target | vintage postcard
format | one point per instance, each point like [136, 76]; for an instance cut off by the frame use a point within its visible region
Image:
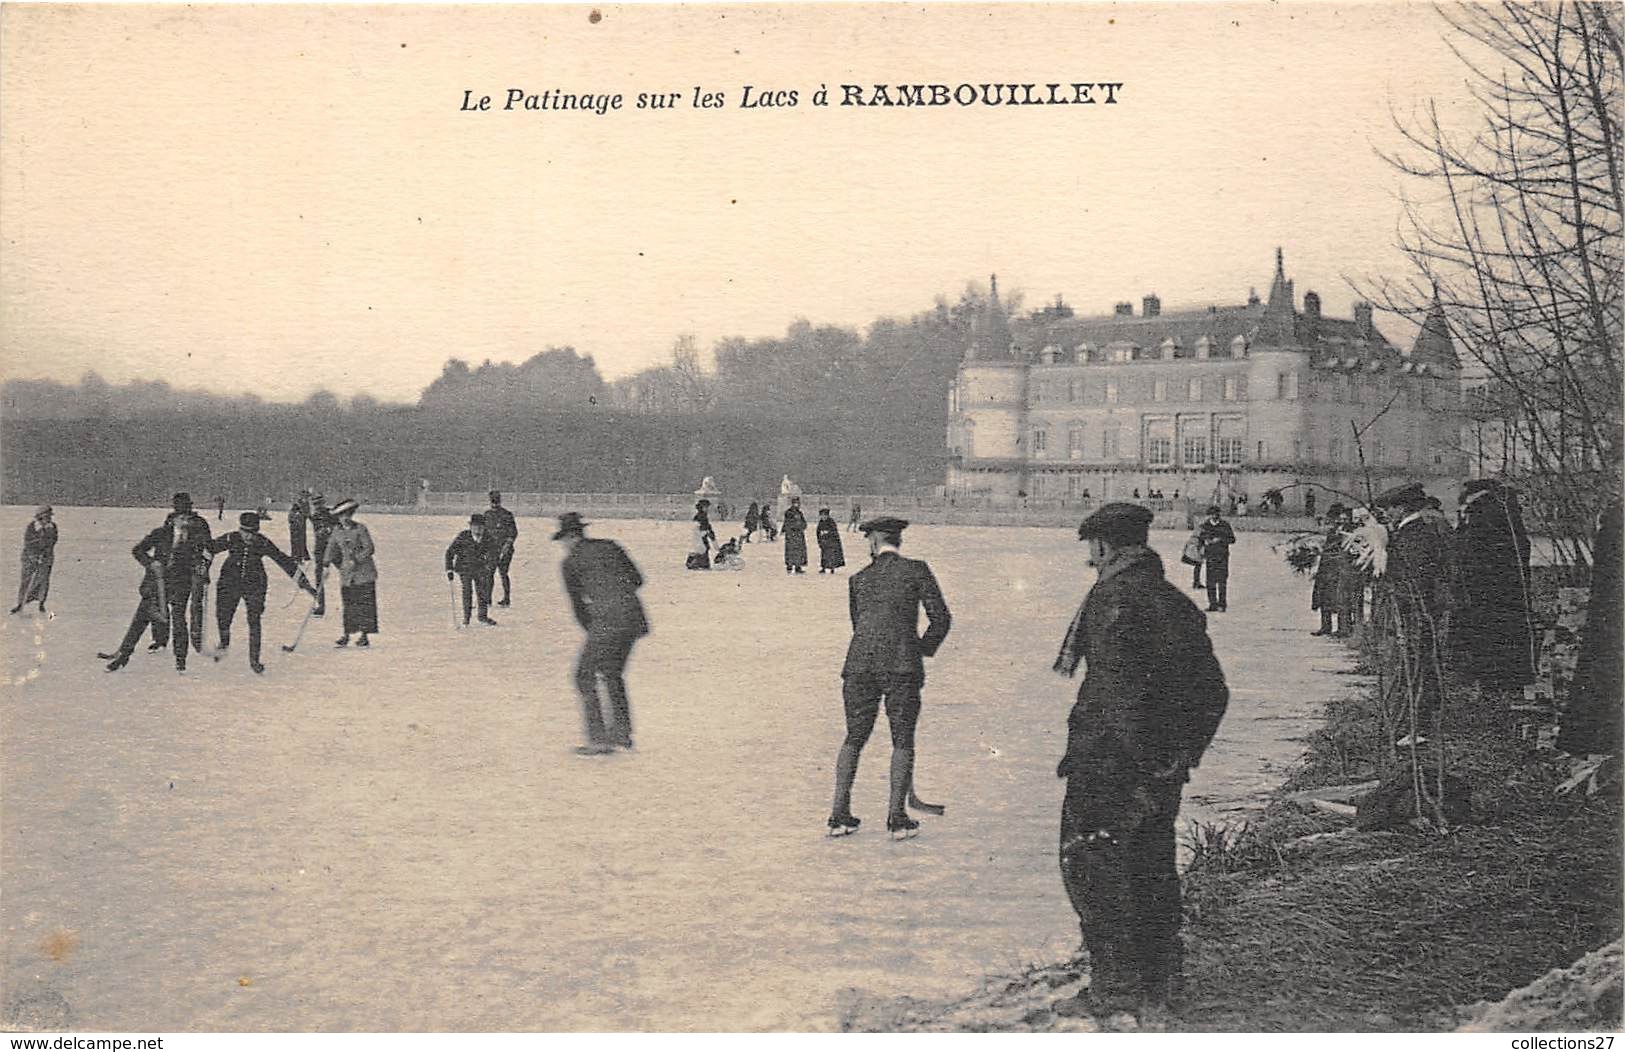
[1051, 517]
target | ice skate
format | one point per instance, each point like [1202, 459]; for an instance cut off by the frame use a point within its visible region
[487, 621]
[342, 641]
[153, 648]
[256, 668]
[118, 662]
[594, 749]
[363, 641]
[902, 827]
[843, 825]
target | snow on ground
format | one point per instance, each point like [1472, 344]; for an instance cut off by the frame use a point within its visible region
[401, 839]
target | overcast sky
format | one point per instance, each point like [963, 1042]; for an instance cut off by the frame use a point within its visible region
[282, 198]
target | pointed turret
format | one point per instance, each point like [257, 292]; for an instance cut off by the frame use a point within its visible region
[1433, 343]
[1278, 327]
[990, 332]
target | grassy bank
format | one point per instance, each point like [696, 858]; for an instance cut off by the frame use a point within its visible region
[1299, 921]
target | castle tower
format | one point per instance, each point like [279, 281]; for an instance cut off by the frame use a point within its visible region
[989, 403]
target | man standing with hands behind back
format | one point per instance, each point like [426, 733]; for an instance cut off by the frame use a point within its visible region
[1150, 702]
[885, 661]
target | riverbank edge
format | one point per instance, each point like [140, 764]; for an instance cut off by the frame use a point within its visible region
[1296, 921]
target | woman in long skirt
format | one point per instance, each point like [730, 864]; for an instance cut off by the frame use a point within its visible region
[39, 554]
[700, 538]
[350, 551]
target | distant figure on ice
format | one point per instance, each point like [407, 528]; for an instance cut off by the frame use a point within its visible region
[220, 508]
[473, 555]
[795, 538]
[242, 578]
[150, 609]
[700, 537]
[729, 557]
[885, 661]
[1151, 699]
[1215, 536]
[1494, 630]
[298, 513]
[855, 518]
[831, 556]
[753, 519]
[769, 531]
[1417, 578]
[322, 522]
[603, 584]
[504, 530]
[350, 551]
[39, 554]
[181, 549]
[1334, 572]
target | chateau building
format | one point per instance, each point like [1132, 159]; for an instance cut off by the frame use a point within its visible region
[1208, 403]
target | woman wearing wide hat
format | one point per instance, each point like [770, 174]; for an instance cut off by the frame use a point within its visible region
[350, 550]
[39, 554]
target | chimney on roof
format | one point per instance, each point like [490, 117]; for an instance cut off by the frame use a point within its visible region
[1362, 319]
[1311, 306]
[1150, 306]
[1252, 297]
[1124, 310]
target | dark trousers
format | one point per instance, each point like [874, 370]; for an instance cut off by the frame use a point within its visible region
[138, 624]
[502, 568]
[186, 614]
[604, 657]
[1218, 584]
[1125, 890]
[476, 584]
[226, 598]
[861, 695]
[1423, 658]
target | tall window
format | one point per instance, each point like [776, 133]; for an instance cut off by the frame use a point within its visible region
[1280, 386]
[1111, 391]
[1193, 442]
[1263, 453]
[1159, 443]
[1074, 485]
[1074, 390]
[1292, 387]
[1159, 390]
[1110, 441]
[1040, 441]
[1194, 390]
[1230, 389]
[1334, 450]
[1231, 432]
[1074, 443]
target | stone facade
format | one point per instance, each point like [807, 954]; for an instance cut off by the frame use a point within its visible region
[1211, 403]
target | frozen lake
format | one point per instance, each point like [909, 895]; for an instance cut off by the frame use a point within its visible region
[401, 839]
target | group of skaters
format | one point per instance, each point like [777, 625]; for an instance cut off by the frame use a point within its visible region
[759, 517]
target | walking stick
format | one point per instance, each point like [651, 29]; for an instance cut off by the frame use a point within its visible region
[456, 622]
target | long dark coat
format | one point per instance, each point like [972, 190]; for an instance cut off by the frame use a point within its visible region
[884, 601]
[831, 555]
[298, 540]
[795, 537]
[473, 557]
[1331, 575]
[1592, 719]
[1216, 539]
[1152, 693]
[39, 555]
[181, 547]
[1493, 630]
[603, 582]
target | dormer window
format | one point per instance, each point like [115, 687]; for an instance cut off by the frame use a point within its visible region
[1049, 354]
[1169, 349]
[1204, 347]
[1238, 347]
[1085, 352]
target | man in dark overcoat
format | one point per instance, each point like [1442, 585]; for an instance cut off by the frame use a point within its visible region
[504, 530]
[181, 548]
[603, 584]
[795, 538]
[322, 524]
[885, 663]
[242, 579]
[1215, 537]
[1333, 571]
[1493, 631]
[298, 539]
[1418, 581]
[1151, 699]
[473, 555]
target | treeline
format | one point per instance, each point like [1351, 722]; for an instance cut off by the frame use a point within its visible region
[837, 409]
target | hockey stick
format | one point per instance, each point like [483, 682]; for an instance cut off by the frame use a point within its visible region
[288, 648]
[920, 805]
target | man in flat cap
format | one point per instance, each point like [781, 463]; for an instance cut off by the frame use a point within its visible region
[1417, 583]
[180, 548]
[885, 662]
[1150, 702]
[603, 584]
[242, 579]
[504, 531]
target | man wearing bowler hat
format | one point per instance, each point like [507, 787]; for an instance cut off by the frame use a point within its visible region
[1418, 579]
[885, 661]
[603, 584]
[1150, 702]
[473, 556]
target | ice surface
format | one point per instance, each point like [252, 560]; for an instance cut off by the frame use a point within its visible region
[402, 839]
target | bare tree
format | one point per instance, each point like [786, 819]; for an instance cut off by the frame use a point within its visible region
[695, 387]
[1514, 228]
